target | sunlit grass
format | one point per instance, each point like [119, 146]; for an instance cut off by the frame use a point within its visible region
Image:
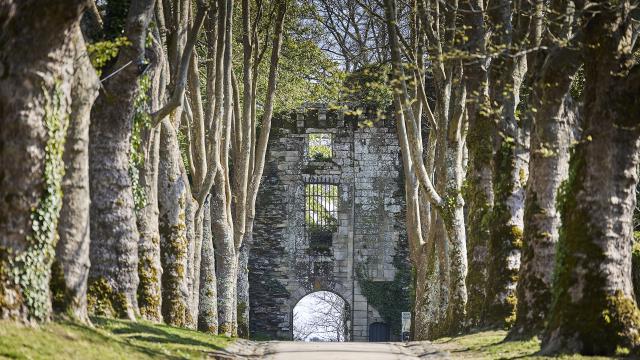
[107, 339]
[491, 345]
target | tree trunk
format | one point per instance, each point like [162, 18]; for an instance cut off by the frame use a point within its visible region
[594, 311]
[506, 236]
[113, 277]
[226, 272]
[149, 267]
[226, 263]
[550, 140]
[208, 304]
[174, 246]
[194, 244]
[243, 286]
[70, 270]
[509, 178]
[454, 220]
[479, 190]
[37, 51]
[506, 75]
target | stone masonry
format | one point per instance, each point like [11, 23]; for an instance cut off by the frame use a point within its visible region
[366, 167]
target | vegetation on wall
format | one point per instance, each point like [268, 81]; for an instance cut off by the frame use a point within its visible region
[390, 298]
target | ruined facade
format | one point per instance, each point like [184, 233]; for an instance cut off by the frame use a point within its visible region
[330, 216]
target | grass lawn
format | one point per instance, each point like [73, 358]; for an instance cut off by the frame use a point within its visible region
[107, 339]
[490, 345]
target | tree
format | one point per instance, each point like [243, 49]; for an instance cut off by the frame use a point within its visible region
[113, 277]
[594, 311]
[479, 190]
[444, 204]
[237, 189]
[38, 47]
[169, 216]
[70, 269]
[356, 35]
[554, 118]
[510, 35]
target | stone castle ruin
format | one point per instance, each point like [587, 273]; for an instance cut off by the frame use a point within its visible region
[330, 216]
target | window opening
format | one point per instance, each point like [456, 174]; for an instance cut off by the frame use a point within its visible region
[320, 147]
[321, 214]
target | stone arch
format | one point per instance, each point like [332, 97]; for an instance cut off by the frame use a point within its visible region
[338, 289]
[301, 292]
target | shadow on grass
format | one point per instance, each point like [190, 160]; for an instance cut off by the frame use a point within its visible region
[136, 334]
[488, 343]
[151, 333]
[95, 333]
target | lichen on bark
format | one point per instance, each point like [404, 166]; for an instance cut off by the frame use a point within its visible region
[29, 271]
[104, 300]
[585, 316]
[635, 271]
[505, 242]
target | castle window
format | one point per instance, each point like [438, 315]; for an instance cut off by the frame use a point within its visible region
[319, 147]
[321, 214]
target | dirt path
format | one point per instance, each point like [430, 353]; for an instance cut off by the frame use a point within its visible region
[288, 350]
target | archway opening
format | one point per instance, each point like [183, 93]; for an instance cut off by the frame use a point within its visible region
[321, 316]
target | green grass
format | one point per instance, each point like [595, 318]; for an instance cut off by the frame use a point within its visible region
[107, 339]
[490, 345]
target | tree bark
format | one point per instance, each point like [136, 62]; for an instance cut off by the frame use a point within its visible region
[243, 287]
[70, 270]
[194, 242]
[226, 260]
[506, 75]
[479, 190]
[149, 266]
[208, 305]
[594, 311]
[555, 115]
[37, 52]
[113, 278]
[174, 246]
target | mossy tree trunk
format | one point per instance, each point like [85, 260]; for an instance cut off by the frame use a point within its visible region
[479, 189]
[113, 277]
[594, 311]
[635, 271]
[37, 50]
[226, 260]
[506, 76]
[457, 254]
[554, 115]
[194, 241]
[440, 178]
[243, 287]
[149, 267]
[208, 305]
[70, 270]
[174, 247]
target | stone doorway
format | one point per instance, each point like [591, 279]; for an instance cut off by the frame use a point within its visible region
[321, 316]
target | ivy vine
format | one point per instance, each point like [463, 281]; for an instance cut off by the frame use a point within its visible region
[390, 298]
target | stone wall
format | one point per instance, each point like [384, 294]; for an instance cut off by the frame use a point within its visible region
[367, 170]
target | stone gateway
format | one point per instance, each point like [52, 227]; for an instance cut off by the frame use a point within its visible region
[331, 216]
